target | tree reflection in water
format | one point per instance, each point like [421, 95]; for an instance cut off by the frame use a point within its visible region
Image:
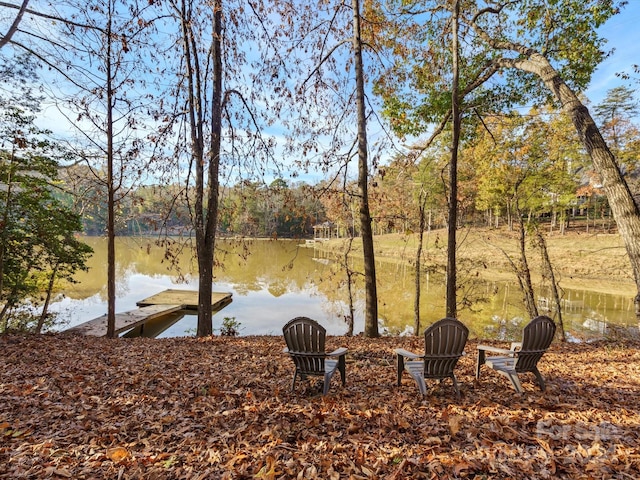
[281, 279]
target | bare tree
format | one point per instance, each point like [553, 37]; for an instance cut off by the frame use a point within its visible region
[96, 50]
[335, 109]
[217, 86]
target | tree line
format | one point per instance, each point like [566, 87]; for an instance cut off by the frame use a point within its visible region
[514, 165]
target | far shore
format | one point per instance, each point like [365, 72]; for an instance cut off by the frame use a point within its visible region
[584, 261]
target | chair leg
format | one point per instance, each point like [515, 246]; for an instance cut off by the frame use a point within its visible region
[513, 377]
[479, 362]
[422, 385]
[293, 384]
[536, 372]
[327, 382]
[455, 385]
[400, 367]
[342, 368]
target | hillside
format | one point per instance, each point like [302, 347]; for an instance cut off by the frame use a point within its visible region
[591, 261]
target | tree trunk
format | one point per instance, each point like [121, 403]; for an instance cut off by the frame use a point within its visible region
[548, 268]
[5, 222]
[524, 272]
[451, 300]
[371, 295]
[623, 207]
[416, 304]
[206, 234]
[111, 228]
[47, 300]
[351, 317]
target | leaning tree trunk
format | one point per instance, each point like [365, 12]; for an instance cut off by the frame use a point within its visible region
[624, 209]
[371, 295]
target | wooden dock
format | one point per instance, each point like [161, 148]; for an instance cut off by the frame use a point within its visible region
[188, 299]
[154, 307]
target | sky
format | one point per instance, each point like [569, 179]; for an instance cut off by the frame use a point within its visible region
[623, 34]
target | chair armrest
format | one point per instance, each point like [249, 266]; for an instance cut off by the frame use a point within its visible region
[406, 353]
[488, 348]
[338, 352]
[401, 354]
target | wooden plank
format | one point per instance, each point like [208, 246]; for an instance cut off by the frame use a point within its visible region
[159, 305]
[124, 321]
[154, 327]
[187, 298]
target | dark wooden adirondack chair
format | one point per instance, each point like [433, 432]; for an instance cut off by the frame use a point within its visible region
[444, 343]
[305, 345]
[523, 356]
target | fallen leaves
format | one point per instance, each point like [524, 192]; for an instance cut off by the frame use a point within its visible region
[221, 407]
[117, 454]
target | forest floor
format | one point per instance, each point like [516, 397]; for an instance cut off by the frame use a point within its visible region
[581, 259]
[221, 407]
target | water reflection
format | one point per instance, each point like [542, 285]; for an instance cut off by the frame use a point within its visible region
[273, 281]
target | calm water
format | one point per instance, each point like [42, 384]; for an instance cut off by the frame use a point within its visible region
[274, 281]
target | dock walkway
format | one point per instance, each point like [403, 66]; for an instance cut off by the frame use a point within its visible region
[151, 308]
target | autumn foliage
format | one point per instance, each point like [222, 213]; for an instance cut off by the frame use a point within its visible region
[221, 407]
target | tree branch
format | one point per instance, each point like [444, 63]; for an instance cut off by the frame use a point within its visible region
[14, 26]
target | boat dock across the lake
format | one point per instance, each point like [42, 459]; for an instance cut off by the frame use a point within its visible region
[151, 308]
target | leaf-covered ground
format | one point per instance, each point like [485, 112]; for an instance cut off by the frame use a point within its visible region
[221, 407]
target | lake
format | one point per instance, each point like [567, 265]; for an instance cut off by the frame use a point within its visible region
[273, 281]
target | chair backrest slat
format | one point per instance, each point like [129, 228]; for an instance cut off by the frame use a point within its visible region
[305, 339]
[537, 336]
[444, 343]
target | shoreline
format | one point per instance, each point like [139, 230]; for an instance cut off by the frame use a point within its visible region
[594, 262]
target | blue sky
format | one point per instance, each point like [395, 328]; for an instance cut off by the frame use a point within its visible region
[623, 34]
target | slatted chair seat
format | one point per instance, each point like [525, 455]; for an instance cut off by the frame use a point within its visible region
[305, 339]
[444, 345]
[523, 356]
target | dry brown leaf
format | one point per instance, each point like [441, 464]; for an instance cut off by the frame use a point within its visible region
[208, 408]
[58, 472]
[269, 470]
[117, 454]
[455, 423]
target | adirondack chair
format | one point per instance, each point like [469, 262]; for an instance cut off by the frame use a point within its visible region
[305, 340]
[522, 356]
[444, 343]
